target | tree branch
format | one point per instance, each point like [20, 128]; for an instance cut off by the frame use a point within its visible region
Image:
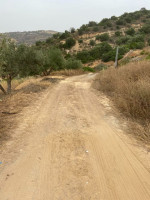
[2, 89]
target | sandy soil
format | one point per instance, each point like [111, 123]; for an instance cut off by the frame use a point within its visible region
[67, 147]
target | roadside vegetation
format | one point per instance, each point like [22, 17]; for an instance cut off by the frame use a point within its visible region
[129, 88]
[130, 31]
[23, 61]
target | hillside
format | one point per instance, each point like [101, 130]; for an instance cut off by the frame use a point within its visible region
[30, 37]
[97, 41]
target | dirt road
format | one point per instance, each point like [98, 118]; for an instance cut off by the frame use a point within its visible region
[66, 149]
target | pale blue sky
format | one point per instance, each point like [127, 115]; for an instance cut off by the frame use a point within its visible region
[60, 15]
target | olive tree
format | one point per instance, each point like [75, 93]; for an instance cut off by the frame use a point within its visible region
[8, 62]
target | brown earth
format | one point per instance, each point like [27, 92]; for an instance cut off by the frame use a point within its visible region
[67, 146]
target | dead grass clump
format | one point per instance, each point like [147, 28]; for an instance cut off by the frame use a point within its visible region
[129, 88]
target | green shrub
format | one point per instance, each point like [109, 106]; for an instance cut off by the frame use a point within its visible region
[104, 22]
[104, 37]
[117, 33]
[65, 35]
[80, 32]
[70, 42]
[72, 30]
[136, 45]
[128, 19]
[56, 35]
[148, 57]
[120, 22]
[122, 40]
[92, 23]
[88, 69]
[92, 42]
[99, 50]
[84, 56]
[145, 29]
[136, 42]
[109, 56]
[95, 29]
[130, 31]
[80, 41]
[114, 18]
[73, 64]
[100, 67]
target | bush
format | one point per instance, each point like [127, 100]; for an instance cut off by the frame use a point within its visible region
[117, 33]
[88, 69]
[95, 29]
[120, 22]
[100, 67]
[137, 38]
[130, 31]
[92, 23]
[114, 18]
[104, 22]
[84, 56]
[145, 29]
[109, 56]
[65, 35]
[122, 40]
[95, 53]
[128, 19]
[104, 37]
[98, 51]
[136, 45]
[73, 64]
[70, 42]
[80, 41]
[92, 42]
[136, 42]
[80, 32]
[56, 59]
[56, 35]
[72, 30]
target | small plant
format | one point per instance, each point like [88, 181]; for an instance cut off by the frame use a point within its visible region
[80, 41]
[70, 42]
[92, 42]
[88, 69]
[73, 64]
[104, 37]
[148, 57]
[130, 31]
[100, 67]
[117, 33]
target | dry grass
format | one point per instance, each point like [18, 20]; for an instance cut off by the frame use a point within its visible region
[26, 91]
[70, 72]
[129, 88]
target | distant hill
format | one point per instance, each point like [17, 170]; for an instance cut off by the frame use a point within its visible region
[97, 41]
[30, 37]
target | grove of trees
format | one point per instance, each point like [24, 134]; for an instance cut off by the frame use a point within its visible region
[23, 60]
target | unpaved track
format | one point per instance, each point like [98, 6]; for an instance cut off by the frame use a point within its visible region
[67, 150]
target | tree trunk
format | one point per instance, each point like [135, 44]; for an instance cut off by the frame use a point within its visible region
[2, 89]
[9, 84]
